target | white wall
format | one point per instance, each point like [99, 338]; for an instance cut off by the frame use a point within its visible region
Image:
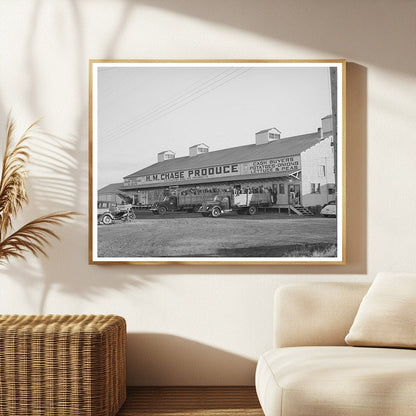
[204, 325]
[312, 161]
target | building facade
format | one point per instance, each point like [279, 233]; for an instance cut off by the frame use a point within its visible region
[296, 171]
[111, 193]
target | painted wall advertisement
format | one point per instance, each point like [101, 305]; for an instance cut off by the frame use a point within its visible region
[276, 165]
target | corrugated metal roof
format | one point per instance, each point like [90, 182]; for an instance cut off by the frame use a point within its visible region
[278, 148]
[112, 188]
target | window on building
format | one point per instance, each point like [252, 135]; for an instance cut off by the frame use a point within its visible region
[169, 156]
[281, 188]
[321, 171]
[202, 150]
[315, 188]
[273, 136]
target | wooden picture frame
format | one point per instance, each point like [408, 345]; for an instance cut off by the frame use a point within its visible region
[217, 162]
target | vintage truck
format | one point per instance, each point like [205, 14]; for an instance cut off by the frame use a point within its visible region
[180, 202]
[242, 203]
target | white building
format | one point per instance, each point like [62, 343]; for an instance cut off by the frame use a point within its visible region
[298, 171]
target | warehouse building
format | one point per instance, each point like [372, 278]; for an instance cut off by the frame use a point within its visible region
[296, 171]
[111, 193]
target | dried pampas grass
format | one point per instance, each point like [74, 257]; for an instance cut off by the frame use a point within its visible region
[35, 235]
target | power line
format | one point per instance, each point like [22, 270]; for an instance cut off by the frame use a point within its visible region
[173, 98]
[193, 99]
[179, 98]
[188, 98]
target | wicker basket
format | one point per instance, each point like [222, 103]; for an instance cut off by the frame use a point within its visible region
[54, 365]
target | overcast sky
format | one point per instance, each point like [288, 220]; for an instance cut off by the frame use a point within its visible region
[142, 111]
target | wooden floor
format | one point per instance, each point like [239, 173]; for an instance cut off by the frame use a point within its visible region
[187, 401]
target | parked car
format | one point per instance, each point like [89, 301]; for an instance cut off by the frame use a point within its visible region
[108, 212]
[104, 212]
[329, 209]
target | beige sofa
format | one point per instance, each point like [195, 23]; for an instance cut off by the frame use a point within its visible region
[312, 371]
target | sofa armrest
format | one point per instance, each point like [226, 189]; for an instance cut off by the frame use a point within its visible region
[315, 313]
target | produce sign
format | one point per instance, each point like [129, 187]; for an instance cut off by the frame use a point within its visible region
[282, 164]
[210, 172]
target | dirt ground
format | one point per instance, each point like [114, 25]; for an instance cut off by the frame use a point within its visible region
[191, 235]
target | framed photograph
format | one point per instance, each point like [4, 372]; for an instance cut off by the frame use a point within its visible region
[207, 162]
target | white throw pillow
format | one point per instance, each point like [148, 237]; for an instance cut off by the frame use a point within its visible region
[387, 314]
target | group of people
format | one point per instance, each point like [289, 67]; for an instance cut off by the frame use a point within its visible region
[238, 189]
[199, 191]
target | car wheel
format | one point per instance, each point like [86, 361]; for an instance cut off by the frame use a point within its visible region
[216, 212]
[107, 220]
[161, 210]
[131, 216]
[252, 210]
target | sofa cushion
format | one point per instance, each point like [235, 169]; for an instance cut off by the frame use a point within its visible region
[387, 314]
[342, 381]
[315, 314]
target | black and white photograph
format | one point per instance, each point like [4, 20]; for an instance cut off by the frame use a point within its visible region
[217, 162]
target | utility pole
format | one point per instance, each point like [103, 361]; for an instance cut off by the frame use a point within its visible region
[334, 102]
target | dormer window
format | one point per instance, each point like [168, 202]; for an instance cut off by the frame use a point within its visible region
[165, 155]
[198, 149]
[268, 135]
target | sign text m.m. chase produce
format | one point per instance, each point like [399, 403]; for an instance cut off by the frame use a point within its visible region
[283, 164]
[181, 175]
